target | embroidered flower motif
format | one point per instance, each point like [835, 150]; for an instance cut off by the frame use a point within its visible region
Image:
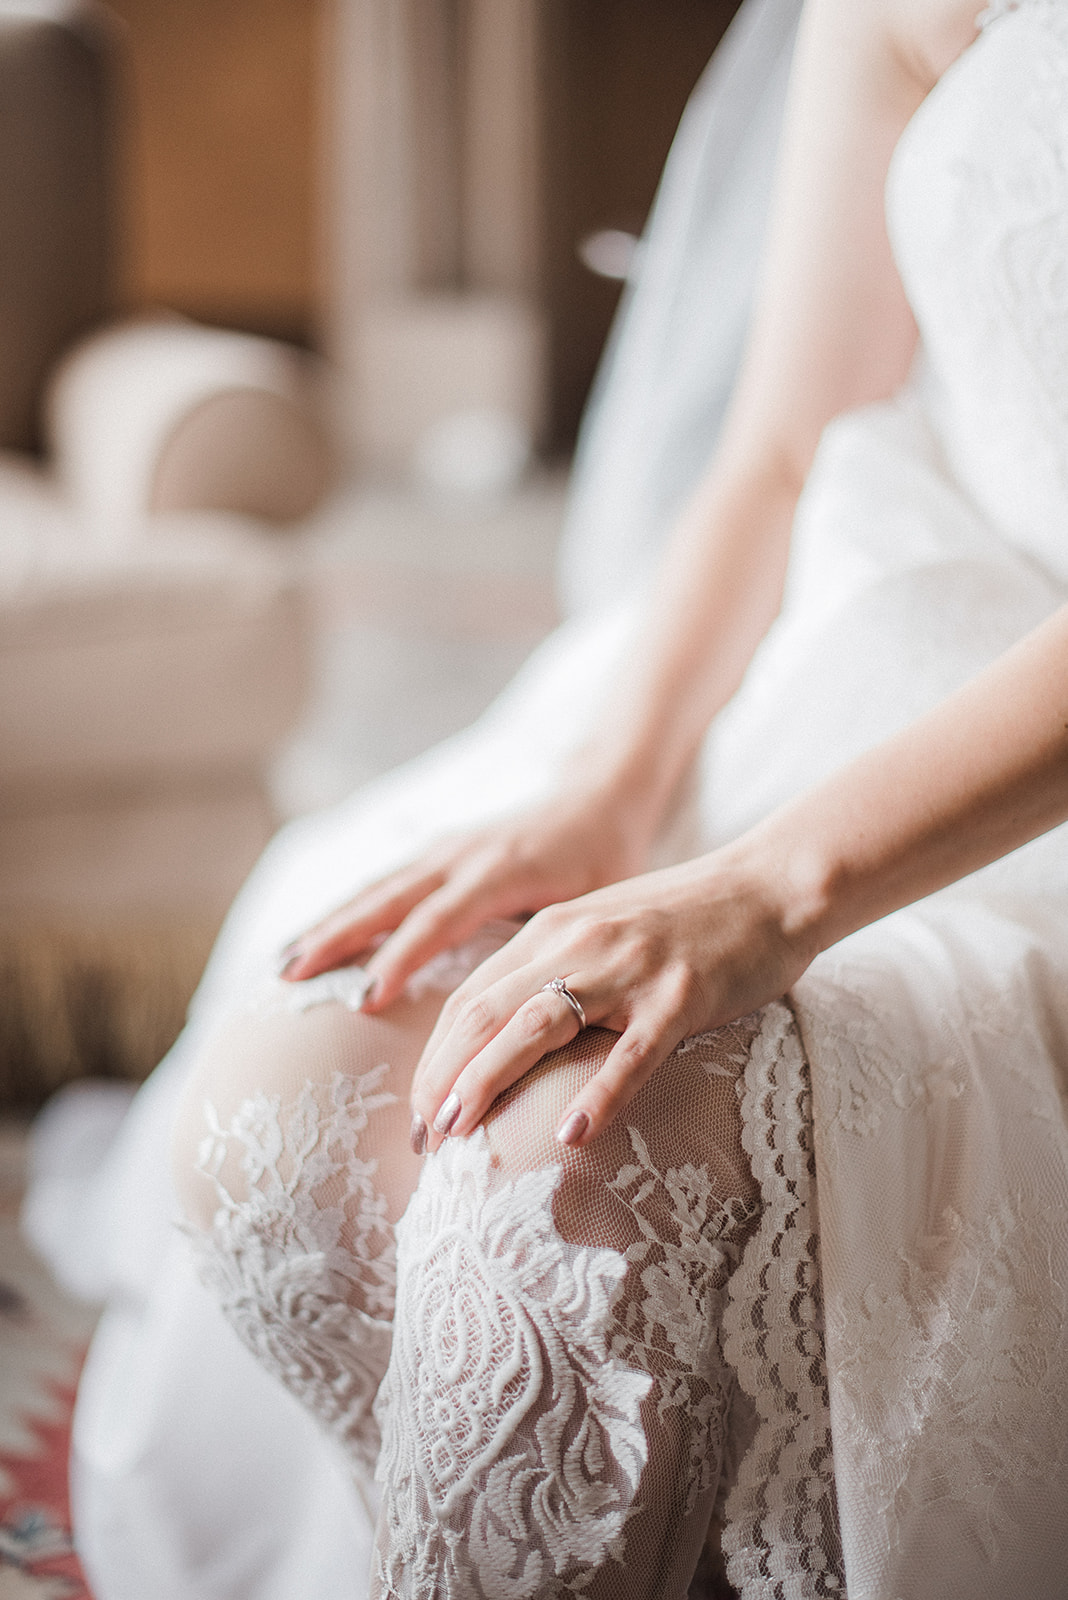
[307, 1282]
[512, 1437]
[966, 1343]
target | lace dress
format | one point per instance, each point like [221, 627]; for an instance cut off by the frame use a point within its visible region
[847, 1351]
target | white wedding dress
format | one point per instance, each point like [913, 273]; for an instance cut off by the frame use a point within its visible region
[868, 1343]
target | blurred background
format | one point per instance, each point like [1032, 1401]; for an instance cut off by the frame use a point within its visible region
[270, 147]
[300, 302]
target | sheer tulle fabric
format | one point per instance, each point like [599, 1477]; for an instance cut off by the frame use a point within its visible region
[521, 1348]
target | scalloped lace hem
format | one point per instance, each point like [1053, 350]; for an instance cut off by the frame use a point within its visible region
[781, 1537]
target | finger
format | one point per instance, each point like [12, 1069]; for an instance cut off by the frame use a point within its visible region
[439, 922]
[470, 1018]
[503, 965]
[631, 1062]
[453, 1102]
[348, 932]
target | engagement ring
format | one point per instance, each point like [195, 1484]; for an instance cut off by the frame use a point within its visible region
[558, 986]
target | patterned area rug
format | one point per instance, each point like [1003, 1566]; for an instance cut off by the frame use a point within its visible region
[43, 1337]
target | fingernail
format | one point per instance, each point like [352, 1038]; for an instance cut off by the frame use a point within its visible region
[284, 972]
[572, 1130]
[418, 1134]
[448, 1114]
[370, 993]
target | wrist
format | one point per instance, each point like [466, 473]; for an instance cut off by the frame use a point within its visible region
[800, 884]
[636, 776]
[626, 796]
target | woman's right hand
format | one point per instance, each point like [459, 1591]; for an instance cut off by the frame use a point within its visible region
[569, 846]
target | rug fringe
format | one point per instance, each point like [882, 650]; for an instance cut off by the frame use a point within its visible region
[106, 1000]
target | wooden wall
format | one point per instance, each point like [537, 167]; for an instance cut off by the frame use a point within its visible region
[221, 153]
[617, 74]
[219, 159]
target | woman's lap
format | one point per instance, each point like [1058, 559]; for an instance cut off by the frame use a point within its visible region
[938, 1040]
[276, 909]
[540, 1317]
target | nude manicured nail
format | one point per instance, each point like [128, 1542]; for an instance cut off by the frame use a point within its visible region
[448, 1114]
[285, 970]
[418, 1134]
[572, 1130]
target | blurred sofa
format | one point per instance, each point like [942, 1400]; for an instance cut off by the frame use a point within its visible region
[153, 638]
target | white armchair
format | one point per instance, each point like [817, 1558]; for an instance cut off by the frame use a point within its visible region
[153, 639]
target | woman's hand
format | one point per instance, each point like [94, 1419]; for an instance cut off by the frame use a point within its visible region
[655, 959]
[565, 848]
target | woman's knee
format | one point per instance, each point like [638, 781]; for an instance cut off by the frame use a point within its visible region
[562, 1304]
[687, 1115]
[277, 1084]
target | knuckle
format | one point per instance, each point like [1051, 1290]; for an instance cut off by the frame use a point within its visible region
[630, 1054]
[432, 1087]
[677, 987]
[422, 1100]
[602, 1101]
[596, 931]
[535, 1019]
[475, 1017]
[450, 1011]
[424, 920]
[645, 948]
[546, 923]
[480, 1086]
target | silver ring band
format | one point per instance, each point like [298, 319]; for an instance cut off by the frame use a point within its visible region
[558, 986]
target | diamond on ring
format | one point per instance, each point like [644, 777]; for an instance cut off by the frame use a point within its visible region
[558, 986]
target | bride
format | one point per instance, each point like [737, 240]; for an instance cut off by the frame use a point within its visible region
[663, 1149]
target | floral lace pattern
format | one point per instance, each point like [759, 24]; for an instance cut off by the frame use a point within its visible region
[498, 1321]
[522, 1398]
[976, 205]
[868, 1071]
[691, 1241]
[514, 1435]
[969, 1292]
[305, 1265]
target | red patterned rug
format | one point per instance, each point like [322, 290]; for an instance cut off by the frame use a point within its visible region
[43, 1335]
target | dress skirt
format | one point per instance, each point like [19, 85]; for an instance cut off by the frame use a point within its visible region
[908, 1274]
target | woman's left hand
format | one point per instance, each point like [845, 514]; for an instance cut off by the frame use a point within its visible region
[655, 958]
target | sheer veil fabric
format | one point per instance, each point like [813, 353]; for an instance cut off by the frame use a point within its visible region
[667, 374]
[816, 1278]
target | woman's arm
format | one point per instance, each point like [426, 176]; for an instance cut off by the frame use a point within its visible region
[832, 330]
[673, 953]
[981, 774]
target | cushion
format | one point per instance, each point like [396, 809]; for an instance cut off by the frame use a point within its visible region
[183, 653]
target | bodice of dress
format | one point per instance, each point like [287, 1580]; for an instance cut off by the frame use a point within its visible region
[977, 202]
